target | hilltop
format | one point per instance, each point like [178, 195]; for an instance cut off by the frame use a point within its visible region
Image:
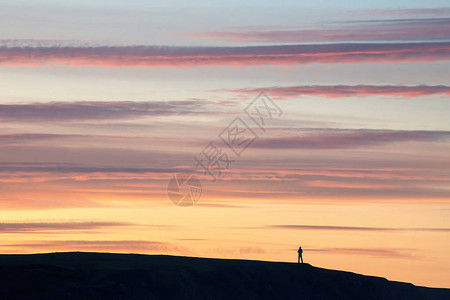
[81, 275]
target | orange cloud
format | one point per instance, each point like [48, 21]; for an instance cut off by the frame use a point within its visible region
[27, 227]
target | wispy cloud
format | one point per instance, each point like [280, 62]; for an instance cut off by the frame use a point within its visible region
[95, 110]
[302, 138]
[80, 168]
[425, 29]
[101, 245]
[152, 56]
[15, 137]
[355, 228]
[236, 251]
[340, 91]
[349, 138]
[430, 12]
[324, 172]
[388, 253]
[42, 172]
[56, 226]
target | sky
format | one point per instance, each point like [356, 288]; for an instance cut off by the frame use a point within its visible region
[328, 122]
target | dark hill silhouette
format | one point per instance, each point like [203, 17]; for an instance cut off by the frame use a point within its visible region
[80, 275]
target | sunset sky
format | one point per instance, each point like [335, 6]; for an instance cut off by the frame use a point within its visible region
[103, 102]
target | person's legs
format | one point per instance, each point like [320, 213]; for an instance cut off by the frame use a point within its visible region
[301, 258]
[298, 259]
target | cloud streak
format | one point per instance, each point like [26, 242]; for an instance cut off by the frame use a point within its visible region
[95, 110]
[354, 228]
[56, 226]
[102, 245]
[373, 30]
[152, 56]
[431, 12]
[80, 168]
[349, 138]
[42, 172]
[341, 91]
[390, 253]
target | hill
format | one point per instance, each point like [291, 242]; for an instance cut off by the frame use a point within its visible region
[81, 275]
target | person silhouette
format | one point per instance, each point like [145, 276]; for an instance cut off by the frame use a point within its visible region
[300, 252]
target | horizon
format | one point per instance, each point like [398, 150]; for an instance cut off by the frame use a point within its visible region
[237, 130]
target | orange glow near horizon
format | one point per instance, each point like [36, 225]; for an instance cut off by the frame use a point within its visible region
[389, 241]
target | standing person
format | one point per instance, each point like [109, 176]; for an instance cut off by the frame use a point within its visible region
[300, 252]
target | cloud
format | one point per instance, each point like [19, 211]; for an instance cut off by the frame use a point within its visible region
[153, 56]
[340, 91]
[353, 228]
[56, 226]
[43, 172]
[95, 110]
[80, 168]
[236, 251]
[408, 12]
[102, 245]
[8, 138]
[371, 30]
[220, 205]
[326, 172]
[349, 138]
[389, 253]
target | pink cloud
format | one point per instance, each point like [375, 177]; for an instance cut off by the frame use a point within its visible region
[147, 56]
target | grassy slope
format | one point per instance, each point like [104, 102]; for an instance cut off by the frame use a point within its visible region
[78, 275]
